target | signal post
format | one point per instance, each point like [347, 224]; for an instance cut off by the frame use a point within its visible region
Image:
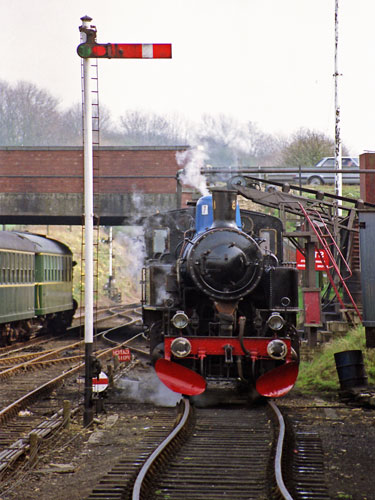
[89, 48]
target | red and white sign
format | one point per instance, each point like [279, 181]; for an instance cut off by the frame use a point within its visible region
[319, 263]
[101, 383]
[123, 354]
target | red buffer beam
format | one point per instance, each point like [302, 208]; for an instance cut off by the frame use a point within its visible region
[125, 50]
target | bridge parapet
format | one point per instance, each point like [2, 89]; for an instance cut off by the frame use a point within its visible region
[45, 185]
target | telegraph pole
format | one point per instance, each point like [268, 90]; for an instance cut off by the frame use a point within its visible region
[338, 148]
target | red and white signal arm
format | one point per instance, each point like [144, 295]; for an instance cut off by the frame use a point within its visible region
[101, 383]
[123, 354]
[321, 260]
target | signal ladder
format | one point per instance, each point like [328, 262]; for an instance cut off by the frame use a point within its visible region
[328, 243]
[96, 177]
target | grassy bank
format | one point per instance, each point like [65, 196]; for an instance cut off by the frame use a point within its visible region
[321, 375]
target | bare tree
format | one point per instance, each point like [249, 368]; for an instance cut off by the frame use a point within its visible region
[71, 126]
[29, 115]
[228, 142]
[307, 147]
[221, 137]
[151, 129]
[259, 148]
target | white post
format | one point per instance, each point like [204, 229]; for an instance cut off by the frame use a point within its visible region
[338, 149]
[110, 253]
[89, 227]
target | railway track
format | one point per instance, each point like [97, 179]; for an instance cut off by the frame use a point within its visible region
[28, 382]
[210, 454]
[227, 455]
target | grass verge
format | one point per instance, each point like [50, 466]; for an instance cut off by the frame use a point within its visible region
[321, 375]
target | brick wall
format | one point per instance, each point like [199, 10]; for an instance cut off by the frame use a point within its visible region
[367, 181]
[60, 170]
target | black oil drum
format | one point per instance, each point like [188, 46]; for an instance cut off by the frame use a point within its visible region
[350, 369]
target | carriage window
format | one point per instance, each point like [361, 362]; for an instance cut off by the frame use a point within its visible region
[59, 271]
[12, 268]
[2, 269]
[160, 241]
[32, 268]
[7, 267]
[17, 266]
[270, 240]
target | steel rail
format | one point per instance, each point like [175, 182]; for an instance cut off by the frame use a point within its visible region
[18, 448]
[26, 398]
[279, 451]
[151, 460]
[35, 358]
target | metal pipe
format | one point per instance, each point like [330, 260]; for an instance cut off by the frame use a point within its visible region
[275, 170]
[242, 322]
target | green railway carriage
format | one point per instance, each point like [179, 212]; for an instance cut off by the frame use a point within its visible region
[35, 285]
[53, 275]
[16, 278]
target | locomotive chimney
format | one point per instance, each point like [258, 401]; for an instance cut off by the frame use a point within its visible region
[224, 204]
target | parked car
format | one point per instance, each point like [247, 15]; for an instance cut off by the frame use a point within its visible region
[317, 177]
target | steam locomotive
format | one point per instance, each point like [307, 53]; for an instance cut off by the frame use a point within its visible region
[219, 303]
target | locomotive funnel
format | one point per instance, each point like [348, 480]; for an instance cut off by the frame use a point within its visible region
[224, 205]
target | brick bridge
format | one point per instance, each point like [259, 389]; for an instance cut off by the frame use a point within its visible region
[44, 185]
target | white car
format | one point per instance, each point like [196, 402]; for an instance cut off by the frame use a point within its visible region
[315, 176]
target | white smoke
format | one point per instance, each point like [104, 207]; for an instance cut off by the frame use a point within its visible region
[147, 388]
[192, 161]
[130, 249]
[162, 295]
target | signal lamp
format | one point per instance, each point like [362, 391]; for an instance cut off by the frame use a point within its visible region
[84, 50]
[181, 347]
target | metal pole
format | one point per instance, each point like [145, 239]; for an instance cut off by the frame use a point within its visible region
[89, 230]
[110, 253]
[338, 149]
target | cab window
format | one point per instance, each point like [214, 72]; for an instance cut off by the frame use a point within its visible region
[160, 240]
[269, 243]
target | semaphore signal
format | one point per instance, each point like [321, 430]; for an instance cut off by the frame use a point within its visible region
[88, 48]
[125, 50]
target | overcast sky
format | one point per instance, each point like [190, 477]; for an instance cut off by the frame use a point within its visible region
[266, 61]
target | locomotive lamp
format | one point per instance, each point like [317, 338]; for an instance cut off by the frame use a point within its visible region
[275, 321]
[181, 347]
[180, 320]
[277, 349]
